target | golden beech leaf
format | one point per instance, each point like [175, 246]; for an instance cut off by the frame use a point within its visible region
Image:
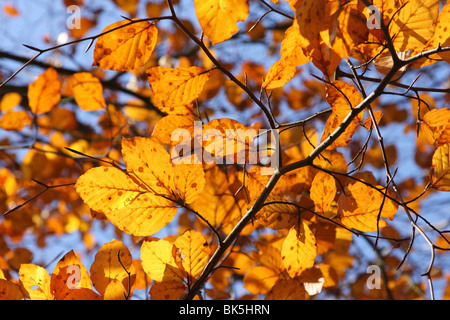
[435, 126]
[150, 164]
[124, 202]
[218, 18]
[172, 88]
[174, 129]
[194, 251]
[260, 279]
[291, 57]
[189, 181]
[287, 289]
[299, 249]
[229, 140]
[414, 24]
[45, 92]
[440, 168]
[9, 101]
[36, 282]
[360, 205]
[126, 46]
[69, 275]
[160, 261]
[115, 290]
[167, 290]
[113, 262]
[441, 35]
[10, 291]
[342, 97]
[88, 91]
[323, 190]
[129, 6]
[277, 214]
[15, 120]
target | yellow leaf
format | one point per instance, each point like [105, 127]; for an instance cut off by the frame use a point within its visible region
[107, 268]
[126, 47]
[150, 164]
[127, 205]
[172, 88]
[15, 120]
[323, 190]
[414, 24]
[9, 101]
[260, 279]
[194, 252]
[435, 126]
[342, 97]
[129, 6]
[158, 261]
[36, 281]
[291, 57]
[278, 215]
[189, 180]
[45, 92]
[440, 168]
[172, 128]
[441, 35]
[228, 139]
[88, 91]
[218, 18]
[299, 249]
[115, 290]
[360, 205]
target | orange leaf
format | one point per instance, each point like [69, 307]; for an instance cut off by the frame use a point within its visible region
[127, 46]
[342, 97]
[9, 101]
[323, 190]
[107, 268]
[189, 180]
[172, 88]
[291, 57]
[69, 275]
[10, 291]
[299, 249]
[287, 289]
[167, 290]
[435, 126]
[440, 168]
[360, 206]
[15, 120]
[277, 215]
[218, 18]
[88, 91]
[45, 92]
[260, 279]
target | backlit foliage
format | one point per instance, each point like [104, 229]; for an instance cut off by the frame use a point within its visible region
[248, 149]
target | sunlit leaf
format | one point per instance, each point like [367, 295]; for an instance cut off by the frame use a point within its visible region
[323, 190]
[45, 92]
[88, 91]
[15, 120]
[125, 46]
[36, 281]
[440, 168]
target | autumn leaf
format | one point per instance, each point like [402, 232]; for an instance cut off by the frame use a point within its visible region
[291, 57]
[299, 249]
[218, 18]
[287, 289]
[172, 128]
[189, 180]
[88, 91]
[159, 260]
[36, 282]
[129, 204]
[414, 24]
[167, 290]
[361, 205]
[194, 251]
[260, 279]
[177, 87]
[441, 35]
[113, 263]
[125, 46]
[15, 120]
[342, 97]
[277, 214]
[10, 291]
[323, 190]
[435, 126]
[45, 92]
[440, 168]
